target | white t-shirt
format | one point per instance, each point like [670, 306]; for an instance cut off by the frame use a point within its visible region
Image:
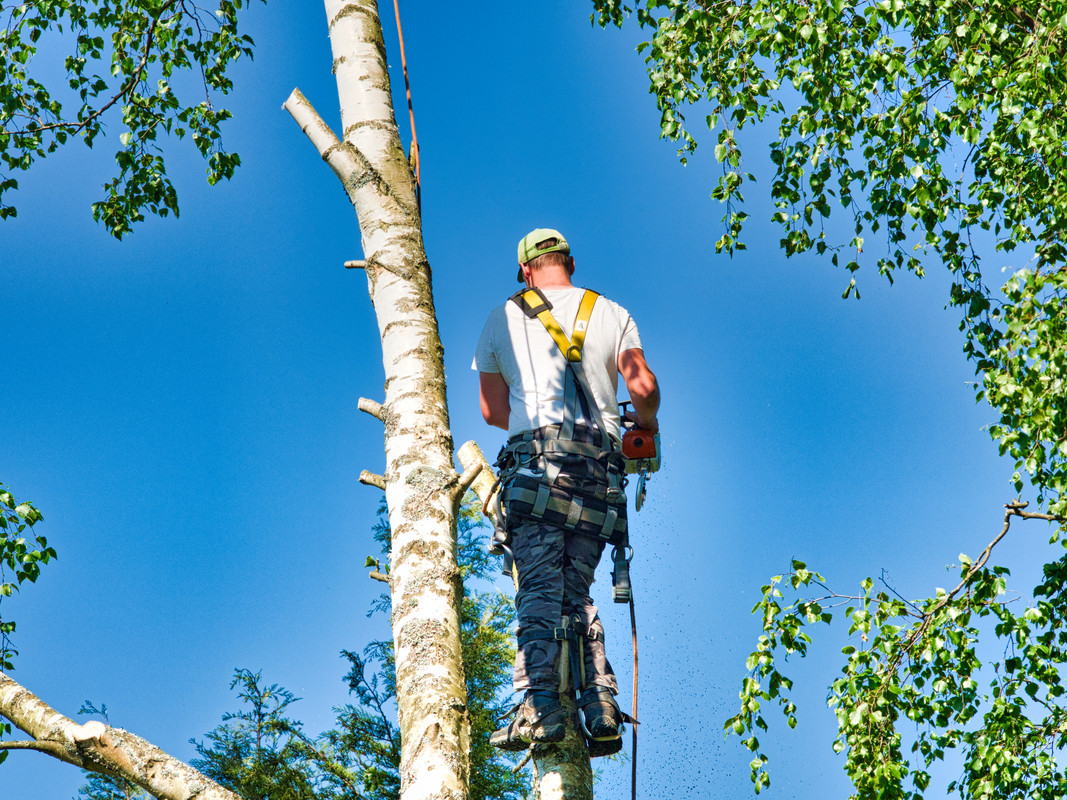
[520, 349]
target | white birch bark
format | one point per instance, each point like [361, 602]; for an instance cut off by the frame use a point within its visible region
[99, 748]
[421, 484]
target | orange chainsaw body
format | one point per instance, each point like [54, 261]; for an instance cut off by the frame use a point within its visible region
[641, 450]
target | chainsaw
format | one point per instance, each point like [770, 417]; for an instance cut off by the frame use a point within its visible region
[642, 452]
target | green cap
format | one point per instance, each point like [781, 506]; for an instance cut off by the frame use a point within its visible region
[529, 245]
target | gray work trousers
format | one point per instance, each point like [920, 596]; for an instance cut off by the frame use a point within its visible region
[555, 571]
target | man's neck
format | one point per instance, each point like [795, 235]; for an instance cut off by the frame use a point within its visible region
[551, 278]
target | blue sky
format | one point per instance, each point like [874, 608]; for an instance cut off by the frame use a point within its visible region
[182, 406]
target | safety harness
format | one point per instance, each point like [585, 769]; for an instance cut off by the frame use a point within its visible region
[573, 474]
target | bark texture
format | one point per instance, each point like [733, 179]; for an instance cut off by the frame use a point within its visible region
[562, 771]
[99, 748]
[420, 480]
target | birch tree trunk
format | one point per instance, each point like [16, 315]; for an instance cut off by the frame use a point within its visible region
[422, 487]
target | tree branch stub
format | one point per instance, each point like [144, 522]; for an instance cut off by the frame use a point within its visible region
[484, 481]
[372, 479]
[463, 482]
[375, 409]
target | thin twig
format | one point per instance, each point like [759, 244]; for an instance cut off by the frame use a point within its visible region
[525, 759]
[135, 78]
[1013, 509]
[30, 744]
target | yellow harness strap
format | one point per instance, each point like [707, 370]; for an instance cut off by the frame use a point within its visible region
[571, 348]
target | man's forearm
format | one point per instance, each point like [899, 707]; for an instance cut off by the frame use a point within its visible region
[643, 388]
[646, 409]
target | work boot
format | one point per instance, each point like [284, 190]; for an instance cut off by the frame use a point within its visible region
[543, 711]
[515, 735]
[603, 720]
[539, 718]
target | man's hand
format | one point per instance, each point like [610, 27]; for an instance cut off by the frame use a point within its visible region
[651, 427]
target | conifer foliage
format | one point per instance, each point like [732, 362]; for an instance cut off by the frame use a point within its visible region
[262, 753]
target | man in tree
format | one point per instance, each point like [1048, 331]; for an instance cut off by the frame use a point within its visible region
[562, 477]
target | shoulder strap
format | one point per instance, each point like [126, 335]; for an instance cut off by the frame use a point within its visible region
[532, 301]
[535, 305]
[576, 386]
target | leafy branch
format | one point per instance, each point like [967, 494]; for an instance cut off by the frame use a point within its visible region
[20, 560]
[918, 661]
[149, 39]
[933, 128]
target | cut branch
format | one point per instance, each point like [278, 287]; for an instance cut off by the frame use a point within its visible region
[372, 479]
[339, 156]
[376, 410]
[99, 748]
[463, 483]
[483, 481]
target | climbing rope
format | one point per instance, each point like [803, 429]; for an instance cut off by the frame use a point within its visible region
[414, 157]
[633, 713]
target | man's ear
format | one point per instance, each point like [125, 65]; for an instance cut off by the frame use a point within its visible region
[570, 266]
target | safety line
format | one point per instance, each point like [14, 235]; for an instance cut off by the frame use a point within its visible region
[411, 111]
[633, 727]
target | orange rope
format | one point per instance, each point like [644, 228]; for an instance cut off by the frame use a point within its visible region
[411, 111]
[633, 728]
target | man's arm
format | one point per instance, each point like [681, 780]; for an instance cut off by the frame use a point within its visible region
[643, 388]
[495, 397]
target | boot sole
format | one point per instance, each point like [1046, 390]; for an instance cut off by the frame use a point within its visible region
[511, 744]
[605, 747]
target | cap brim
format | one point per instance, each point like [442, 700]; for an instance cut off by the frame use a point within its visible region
[519, 276]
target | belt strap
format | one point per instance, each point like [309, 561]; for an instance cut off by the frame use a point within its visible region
[608, 522]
